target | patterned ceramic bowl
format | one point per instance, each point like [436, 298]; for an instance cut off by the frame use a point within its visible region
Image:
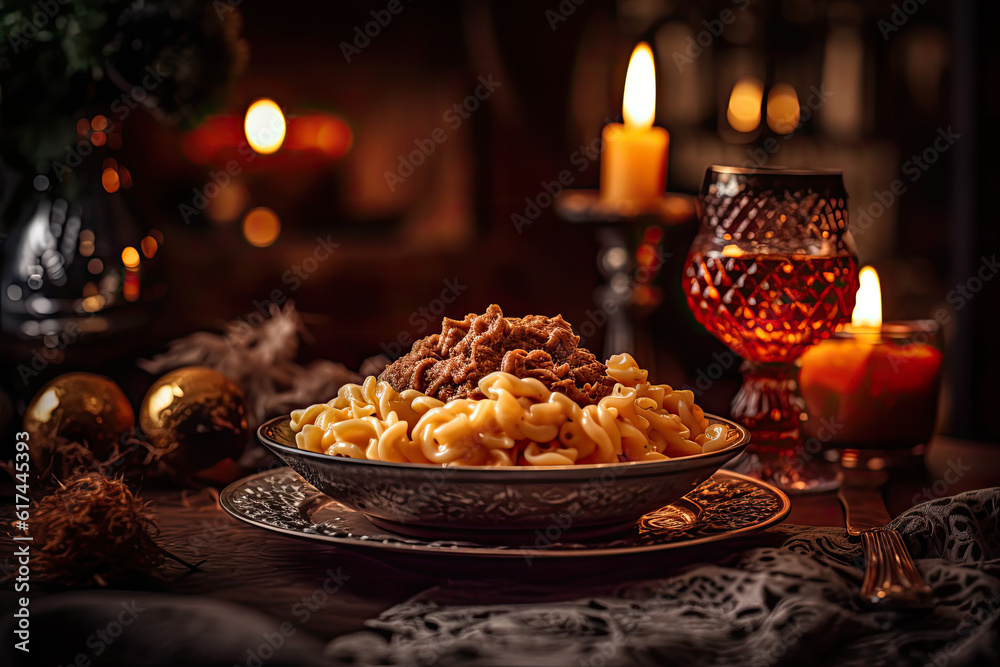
[497, 504]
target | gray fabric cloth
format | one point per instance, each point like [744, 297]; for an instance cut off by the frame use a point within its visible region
[793, 603]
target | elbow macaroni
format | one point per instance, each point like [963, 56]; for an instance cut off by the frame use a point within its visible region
[519, 423]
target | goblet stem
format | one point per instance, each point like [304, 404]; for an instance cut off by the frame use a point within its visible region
[770, 406]
[769, 402]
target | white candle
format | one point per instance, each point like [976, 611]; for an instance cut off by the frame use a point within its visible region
[634, 160]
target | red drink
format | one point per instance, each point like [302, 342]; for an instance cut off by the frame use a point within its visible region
[770, 307]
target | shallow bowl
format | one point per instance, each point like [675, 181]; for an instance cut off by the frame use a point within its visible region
[497, 504]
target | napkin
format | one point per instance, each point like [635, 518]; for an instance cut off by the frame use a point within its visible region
[792, 602]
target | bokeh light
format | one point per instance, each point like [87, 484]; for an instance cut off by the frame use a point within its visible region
[110, 180]
[149, 246]
[261, 227]
[745, 104]
[264, 126]
[231, 201]
[130, 257]
[782, 109]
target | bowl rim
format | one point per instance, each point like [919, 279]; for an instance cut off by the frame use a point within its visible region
[263, 434]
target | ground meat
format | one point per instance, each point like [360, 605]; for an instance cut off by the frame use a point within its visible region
[450, 364]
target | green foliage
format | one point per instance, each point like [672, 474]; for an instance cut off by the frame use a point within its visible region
[58, 57]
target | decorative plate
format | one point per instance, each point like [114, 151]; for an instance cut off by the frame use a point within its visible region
[727, 505]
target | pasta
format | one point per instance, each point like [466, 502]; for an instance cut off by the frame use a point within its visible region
[520, 422]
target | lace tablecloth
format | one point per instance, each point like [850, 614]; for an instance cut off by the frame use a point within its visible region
[792, 604]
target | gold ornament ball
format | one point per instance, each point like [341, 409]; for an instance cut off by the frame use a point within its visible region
[80, 407]
[196, 413]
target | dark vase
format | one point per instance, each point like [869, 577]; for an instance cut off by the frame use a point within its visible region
[79, 271]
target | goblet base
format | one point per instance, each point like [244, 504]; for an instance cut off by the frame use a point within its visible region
[790, 468]
[769, 404]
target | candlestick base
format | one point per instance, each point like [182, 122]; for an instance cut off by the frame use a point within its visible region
[586, 206]
[630, 292]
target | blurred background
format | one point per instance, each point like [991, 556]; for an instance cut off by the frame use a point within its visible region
[405, 165]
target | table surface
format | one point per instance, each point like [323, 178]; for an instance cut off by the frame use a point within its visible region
[272, 573]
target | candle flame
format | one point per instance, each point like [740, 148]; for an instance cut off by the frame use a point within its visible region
[868, 310]
[639, 106]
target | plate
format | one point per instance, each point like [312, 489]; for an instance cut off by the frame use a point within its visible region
[726, 506]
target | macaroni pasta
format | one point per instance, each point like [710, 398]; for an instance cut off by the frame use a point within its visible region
[520, 422]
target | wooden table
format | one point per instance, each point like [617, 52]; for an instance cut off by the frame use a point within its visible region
[281, 576]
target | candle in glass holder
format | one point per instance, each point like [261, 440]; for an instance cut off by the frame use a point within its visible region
[873, 385]
[634, 160]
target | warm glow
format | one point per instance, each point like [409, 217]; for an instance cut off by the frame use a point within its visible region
[110, 180]
[130, 290]
[44, 406]
[92, 304]
[261, 227]
[99, 123]
[264, 126]
[161, 399]
[229, 203]
[130, 257]
[745, 102]
[639, 106]
[148, 246]
[868, 310]
[782, 109]
[732, 251]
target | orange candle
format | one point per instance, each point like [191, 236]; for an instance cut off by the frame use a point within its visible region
[634, 161]
[872, 386]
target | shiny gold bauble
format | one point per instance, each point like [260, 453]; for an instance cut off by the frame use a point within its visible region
[79, 407]
[197, 416]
